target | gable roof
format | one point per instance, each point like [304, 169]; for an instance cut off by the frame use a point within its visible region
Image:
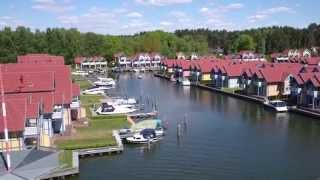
[16, 115]
[40, 59]
[25, 82]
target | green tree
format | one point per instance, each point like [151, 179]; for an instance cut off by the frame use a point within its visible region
[244, 42]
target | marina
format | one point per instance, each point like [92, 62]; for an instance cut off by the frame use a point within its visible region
[225, 138]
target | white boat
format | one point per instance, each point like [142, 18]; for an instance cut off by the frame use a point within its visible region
[140, 76]
[105, 82]
[136, 70]
[108, 109]
[96, 90]
[145, 136]
[186, 82]
[278, 105]
[81, 73]
[159, 132]
[129, 102]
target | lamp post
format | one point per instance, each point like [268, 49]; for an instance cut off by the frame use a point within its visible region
[5, 123]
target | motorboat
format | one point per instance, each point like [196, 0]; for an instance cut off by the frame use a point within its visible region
[80, 73]
[140, 76]
[96, 90]
[145, 136]
[125, 102]
[186, 82]
[105, 82]
[136, 70]
[109, 109]
[278, 105]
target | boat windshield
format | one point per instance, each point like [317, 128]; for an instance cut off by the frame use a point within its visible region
[279, 104]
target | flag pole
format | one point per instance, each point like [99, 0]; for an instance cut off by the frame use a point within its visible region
[5, 123]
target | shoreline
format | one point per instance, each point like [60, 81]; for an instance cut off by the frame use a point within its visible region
[296, 110]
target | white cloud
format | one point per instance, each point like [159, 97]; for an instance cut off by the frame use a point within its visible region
[216, 16]
[220, 11]
[53, 5]
[178, 14]
[96, 19]
[107, 21]
[204, 9]
[9, 21]
[162, 2]
[134, 15]
[264, 14]
[166, 23]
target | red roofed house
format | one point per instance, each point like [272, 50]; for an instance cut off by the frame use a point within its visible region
[46, 86]
[40, 59]
[274, 81]
[305, 89]
[182, 70]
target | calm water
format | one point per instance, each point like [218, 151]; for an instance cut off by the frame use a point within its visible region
[226, 138]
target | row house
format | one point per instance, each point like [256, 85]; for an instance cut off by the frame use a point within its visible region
[146, 60]
[289, 54]
[49, 95]
[305, 87]
[122, 60]
[181, 70]
[247, 56]
[139, 60]
[95, 62]
[270, 81]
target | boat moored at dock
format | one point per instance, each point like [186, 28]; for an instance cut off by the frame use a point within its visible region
[108, 109]
[277, 105]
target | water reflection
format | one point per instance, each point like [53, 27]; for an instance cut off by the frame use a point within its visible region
[225, 138]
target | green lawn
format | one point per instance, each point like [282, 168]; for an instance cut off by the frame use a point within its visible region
[65, 158]
[87, 101]
[84, 84]
[230, 90]
[98, 134]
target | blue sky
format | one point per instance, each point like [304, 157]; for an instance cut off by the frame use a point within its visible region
[131, 16]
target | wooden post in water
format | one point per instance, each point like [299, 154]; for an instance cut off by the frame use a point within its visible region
[149, 144]
[179, 130]
[185, 123]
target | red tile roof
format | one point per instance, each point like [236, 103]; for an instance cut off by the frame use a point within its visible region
[16, 115]
[75, 90]
[62, 76]
[40, 59]
[24, 82]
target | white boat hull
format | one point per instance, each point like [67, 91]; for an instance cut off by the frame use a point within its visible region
[118, 110]
[186, 83]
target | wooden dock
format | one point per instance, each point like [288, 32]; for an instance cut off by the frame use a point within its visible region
[103, 150]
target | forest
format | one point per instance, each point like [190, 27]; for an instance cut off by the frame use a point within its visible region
[71, 42]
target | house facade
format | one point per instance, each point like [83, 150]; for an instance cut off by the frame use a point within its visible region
[95, 62]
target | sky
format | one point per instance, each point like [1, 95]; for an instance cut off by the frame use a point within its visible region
[122, 17]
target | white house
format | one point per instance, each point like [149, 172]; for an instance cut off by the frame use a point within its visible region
[90, 62]
[194, 56]
[180, 55]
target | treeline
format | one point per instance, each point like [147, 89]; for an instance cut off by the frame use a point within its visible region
[71, 43]
[262, 40]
